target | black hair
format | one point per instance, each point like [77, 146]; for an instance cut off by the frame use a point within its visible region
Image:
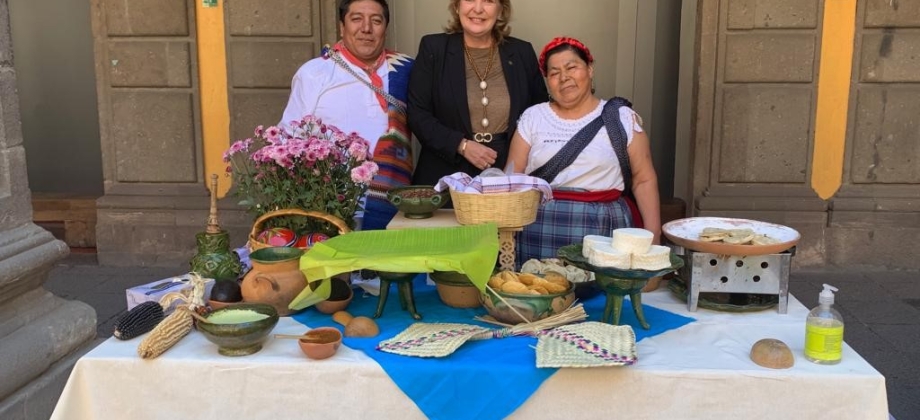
[345, 4]
[564, 47]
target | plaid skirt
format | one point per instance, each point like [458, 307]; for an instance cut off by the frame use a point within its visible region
[563, 222]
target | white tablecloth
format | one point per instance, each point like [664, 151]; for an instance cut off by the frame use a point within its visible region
[701, 370]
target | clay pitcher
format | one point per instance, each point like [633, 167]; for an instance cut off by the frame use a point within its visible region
[275, 278]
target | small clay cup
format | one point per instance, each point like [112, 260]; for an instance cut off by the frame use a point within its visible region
[325, 341]
[339, 298]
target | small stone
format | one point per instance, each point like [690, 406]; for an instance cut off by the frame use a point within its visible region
[485, 101]
[485, 122]
[483, 85]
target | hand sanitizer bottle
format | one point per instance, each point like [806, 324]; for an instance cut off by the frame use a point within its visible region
[824, 330]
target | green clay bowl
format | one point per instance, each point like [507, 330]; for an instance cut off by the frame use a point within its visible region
[276, 254]
[417, 201]
[242, 338]
[532, 307]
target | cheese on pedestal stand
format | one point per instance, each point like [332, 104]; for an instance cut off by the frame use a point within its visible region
[632, 240]
[657, 258]
[590, 243]
[605, 255]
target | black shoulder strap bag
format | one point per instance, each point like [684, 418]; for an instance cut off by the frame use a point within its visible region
[617, 134]
[610, 118]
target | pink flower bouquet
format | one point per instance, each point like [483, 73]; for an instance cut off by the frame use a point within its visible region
[311, 166]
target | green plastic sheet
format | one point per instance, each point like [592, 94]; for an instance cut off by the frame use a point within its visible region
[470, 250]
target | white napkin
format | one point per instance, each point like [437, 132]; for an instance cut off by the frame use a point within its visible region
[494, 184]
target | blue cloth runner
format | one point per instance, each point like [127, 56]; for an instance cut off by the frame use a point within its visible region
[467, 384]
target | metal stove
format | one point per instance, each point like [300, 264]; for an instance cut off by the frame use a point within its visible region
[766, 274]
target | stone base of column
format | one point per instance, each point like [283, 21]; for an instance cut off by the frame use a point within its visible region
[38, 331]
[36, 401]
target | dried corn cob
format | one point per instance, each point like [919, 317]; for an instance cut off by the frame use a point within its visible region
[166, 334]
[139, 320]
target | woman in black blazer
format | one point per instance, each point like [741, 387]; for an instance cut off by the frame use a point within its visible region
[467, 89]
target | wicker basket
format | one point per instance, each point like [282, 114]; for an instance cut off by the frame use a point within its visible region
[507, 210]
[254, 243]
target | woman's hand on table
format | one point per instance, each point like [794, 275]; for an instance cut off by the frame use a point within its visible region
[478, 155]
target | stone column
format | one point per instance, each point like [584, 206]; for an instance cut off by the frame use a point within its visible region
[39, 332]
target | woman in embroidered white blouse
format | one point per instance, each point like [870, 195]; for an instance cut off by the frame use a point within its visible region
[580, 145]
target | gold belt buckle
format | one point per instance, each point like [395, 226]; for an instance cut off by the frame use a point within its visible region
[482, 137]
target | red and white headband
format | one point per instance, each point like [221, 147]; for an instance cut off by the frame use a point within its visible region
[557, 41]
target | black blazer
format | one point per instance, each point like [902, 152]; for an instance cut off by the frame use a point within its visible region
[439, 114]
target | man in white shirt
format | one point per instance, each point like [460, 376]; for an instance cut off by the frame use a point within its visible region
[357, 85]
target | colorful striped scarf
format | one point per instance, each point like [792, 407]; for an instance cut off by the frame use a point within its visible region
[393, 152]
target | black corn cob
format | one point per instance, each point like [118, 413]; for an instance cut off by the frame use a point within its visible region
[139, 320]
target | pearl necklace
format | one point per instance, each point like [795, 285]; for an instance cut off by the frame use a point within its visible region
[483, 85]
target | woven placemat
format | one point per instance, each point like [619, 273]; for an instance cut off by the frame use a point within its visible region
[588, 344]
[433, 340]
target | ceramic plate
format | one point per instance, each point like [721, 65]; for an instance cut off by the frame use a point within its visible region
[572, 255]
[686, 233]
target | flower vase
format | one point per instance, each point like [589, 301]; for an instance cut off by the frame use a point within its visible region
[214, 258]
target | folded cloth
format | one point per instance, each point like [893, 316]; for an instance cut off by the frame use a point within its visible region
[243, 252]
[462, 182]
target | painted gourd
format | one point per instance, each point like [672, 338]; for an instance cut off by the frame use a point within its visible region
[277, 237]
[307, 240]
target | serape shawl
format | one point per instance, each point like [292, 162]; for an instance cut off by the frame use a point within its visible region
[393, 154]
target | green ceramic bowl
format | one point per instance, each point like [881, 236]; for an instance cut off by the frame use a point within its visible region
[239, 337]
[532, 307]
[417, 201]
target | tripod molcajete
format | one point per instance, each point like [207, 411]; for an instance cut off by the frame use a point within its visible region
[406, 296]
[617, 283]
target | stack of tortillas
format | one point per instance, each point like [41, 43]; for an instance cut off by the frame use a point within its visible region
[735, 236]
